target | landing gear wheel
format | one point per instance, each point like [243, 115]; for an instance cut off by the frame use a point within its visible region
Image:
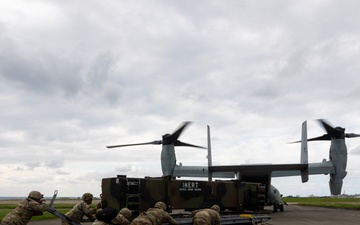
[281, 208]
[275, 208]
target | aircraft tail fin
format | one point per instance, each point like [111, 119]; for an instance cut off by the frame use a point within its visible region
[209, 156]
[304, 152]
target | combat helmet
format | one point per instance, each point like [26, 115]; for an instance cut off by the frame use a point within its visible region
[216, 208]
[126, 213]
[160, 205]
[35, 195]
[87, 197]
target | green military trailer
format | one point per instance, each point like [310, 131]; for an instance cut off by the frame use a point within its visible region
[139, 194]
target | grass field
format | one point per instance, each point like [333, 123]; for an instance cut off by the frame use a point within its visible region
[343, 203]
[61, 205]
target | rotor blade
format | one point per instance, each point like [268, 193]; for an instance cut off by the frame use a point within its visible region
[179, 143]
[173, 137]
[293, 142]
[329, 129]
[332, 132]
[325, 137]
[352, 135]
[146, 143]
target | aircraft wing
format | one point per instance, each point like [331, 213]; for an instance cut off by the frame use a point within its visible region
[258, 170]
[325, 167]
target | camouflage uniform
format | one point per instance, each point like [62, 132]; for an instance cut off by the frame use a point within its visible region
[122, 218]
[81, 209]
[207, 216]
[98, 222]
[154, 216]
[26, 209]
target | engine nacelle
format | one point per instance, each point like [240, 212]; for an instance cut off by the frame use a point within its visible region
[338, 157]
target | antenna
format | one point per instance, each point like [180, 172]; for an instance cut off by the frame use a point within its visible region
[209, 157]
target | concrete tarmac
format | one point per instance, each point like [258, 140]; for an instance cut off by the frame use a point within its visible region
[293, 214]
[301, 215]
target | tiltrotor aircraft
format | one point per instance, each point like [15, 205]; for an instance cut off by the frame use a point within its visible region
[335, 166]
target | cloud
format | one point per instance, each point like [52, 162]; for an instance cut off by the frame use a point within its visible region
[72, 83]
[32, 165]
[55, 163]
[355, 151]
[60, 172]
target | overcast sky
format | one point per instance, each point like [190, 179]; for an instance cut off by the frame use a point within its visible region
[76, 76]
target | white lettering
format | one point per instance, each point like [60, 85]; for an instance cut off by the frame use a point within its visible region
[190, 186]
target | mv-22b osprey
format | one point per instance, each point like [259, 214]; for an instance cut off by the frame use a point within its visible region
[335, 166]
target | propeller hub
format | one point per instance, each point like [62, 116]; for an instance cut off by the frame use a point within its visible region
[167, 139]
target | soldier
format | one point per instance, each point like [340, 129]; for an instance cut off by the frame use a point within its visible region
[207, 216]
[107, 216]
[154, 216]
[123, 217]
[33, 205]
[81, 209]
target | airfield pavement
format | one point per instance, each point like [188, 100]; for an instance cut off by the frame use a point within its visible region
[293, 214]
[301, 215]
